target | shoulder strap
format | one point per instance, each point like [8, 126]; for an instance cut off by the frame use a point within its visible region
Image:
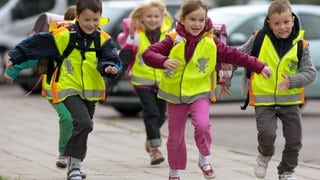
[257, 43]
[259, 35]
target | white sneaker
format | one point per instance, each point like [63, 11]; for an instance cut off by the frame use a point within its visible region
[287, 176]
[260, 169]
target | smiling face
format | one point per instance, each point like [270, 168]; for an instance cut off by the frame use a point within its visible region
[281, 24]
[88, 20]
[152, 18]
[195, 21]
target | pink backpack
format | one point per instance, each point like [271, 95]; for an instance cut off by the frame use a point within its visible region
[224, 70]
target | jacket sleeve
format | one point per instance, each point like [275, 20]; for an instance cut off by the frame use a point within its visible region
[109, 57]
[13, 73]
[231, 55]
[38, 46]
[307, 71]
[156, 54]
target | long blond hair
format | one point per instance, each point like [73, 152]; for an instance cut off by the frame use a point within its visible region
[136, 15]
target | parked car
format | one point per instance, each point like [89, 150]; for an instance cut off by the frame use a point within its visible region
[122, 97]
[241, 21]
[17, 21]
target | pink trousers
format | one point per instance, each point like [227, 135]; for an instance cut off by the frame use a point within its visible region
[177, 119]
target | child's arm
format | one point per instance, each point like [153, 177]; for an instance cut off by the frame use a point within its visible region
[306, 75]
[157, 54]
[11, 74]
[109, 63]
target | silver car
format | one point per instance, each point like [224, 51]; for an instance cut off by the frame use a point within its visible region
[243, 20]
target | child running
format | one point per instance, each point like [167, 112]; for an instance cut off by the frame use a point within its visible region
[189, 56]
[65, 119]
[77, 81]
[281, 96]
[149, 23]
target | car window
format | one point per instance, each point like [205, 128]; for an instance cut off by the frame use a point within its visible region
[28, 8]
[72, 2]
[311, 24]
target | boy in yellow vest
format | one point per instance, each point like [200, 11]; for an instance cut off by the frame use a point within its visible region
[282, 95]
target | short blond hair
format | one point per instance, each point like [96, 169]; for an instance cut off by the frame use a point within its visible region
[279, 6]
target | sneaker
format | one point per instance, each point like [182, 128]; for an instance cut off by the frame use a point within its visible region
[62, 162]
[207, 171]
[83, 174]
[74, 174]
[260, 169]
[155, 156]
[287, 176]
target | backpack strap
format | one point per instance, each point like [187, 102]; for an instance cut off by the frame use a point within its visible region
[256, 47]
[71, 45]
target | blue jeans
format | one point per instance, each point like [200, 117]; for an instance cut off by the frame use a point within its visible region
[153, 112]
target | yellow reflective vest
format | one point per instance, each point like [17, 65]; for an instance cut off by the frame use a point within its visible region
[77, 76]
[264, 92]
[140, 73]
[192, 80]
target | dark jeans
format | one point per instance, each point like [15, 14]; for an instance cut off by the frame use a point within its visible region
[290, 116]
[82, 113]
[153, 111]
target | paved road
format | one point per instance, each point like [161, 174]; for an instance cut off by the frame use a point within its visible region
[28, 136]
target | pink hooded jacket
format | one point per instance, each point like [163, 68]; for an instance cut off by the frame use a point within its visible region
[158, 53]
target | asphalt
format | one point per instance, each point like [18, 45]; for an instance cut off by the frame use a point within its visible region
[28, 148]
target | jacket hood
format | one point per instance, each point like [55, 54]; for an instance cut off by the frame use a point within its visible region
[182, 32]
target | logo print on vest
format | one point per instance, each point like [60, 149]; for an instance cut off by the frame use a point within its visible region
[202, 64]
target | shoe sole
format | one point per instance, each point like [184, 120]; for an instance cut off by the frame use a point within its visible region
[61, 167]
[157, 161]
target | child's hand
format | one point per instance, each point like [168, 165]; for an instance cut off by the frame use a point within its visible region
[9, 65]
[8, 79]
[111, 69]
[224, 89]
[266, 72]
[171, 64]
[285, 84]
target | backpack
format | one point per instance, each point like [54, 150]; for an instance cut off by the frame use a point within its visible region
[224, 70]
[259, 35]
[123, 36]
[48, 22]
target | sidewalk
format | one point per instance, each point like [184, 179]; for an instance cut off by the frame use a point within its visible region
[28, 149]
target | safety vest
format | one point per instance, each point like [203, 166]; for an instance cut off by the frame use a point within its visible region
[192, 80]
[140, 73]
[77, 76]
[264, 92]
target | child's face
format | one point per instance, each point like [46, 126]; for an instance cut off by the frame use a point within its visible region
[152, 18]
[195, 21]
[88, 20]
[281, 24]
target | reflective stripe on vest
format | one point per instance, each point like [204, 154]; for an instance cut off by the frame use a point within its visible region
[193, 80]
[263, 91]
[77, 76]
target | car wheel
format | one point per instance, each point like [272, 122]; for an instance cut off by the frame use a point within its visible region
[30, 83]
